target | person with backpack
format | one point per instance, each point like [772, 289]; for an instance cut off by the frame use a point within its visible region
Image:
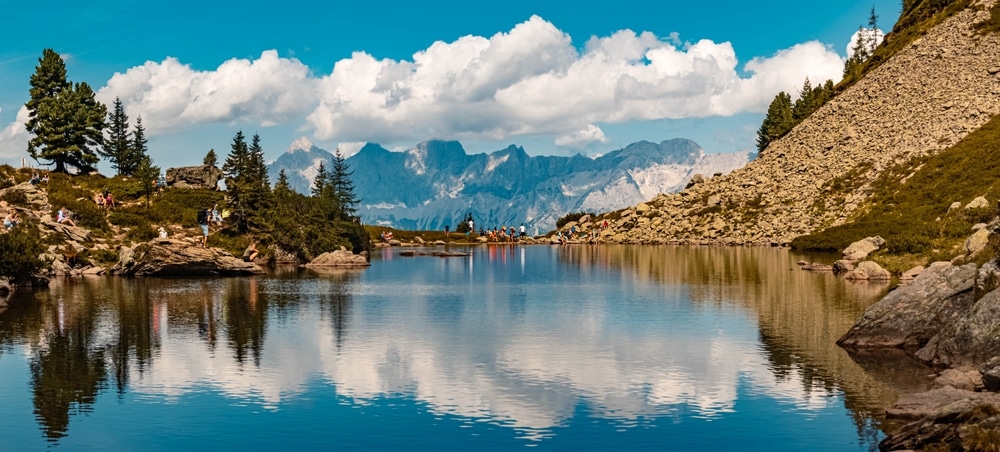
[203, 216]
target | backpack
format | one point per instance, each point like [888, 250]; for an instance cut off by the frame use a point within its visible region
[202, 217]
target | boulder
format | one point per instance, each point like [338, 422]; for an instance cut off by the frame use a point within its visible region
[978, 203]
[340, 258]
[941, 418]
[814, 267]
[73, 233]
[912, 273]
[954, 206]
[991, 374]
[970, 338]
[911, 315]
[34, 195]
[843, 266]
[987, 278]
[868, 271]
[395, 242]
[967, 380]
[859, 250]
[976, 242]
[169, 257]
[204, 176]
[695, 180]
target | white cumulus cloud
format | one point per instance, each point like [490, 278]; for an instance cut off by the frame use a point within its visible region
[14, 137]
[529, 81]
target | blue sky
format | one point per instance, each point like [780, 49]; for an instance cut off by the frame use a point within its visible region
[557, 77]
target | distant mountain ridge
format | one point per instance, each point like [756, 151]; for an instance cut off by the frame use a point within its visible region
[436, 183]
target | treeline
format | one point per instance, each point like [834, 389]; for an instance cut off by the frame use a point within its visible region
[305, 226]
[783, 115]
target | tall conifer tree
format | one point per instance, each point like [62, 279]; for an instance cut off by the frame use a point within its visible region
[118, 146]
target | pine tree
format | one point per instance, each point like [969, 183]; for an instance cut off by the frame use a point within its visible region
[47, 82]
[210, 158]
[777, 122]
[806, 103]
[234, 167]
[118, 146]
[319, 182]
[257, 188]
[871, 40]
[66, 119]
[343, 188]
[147, 174]
[137, 149]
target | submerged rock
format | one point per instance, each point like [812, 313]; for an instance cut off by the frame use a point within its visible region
[167, 257]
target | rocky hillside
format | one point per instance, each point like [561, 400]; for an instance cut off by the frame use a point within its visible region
[926, 98]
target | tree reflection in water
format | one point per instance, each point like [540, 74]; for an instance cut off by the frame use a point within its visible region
[86, 333]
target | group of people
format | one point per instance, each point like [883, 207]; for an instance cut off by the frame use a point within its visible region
[105, 200]
[505, 234]
[37, 179]
[386, 236]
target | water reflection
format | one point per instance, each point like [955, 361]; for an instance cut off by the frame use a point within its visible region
[634, 334]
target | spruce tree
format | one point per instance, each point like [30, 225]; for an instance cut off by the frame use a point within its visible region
[137, 149]
[343, 188]
[210, 159]
[319, 182]
[118, 147]
[777, 122]
[234, 167]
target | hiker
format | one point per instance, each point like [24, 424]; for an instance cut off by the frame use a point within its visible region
[109, 201]
[11, 220]
[446, 227]
[162, 232]
[99, 200]
[203, 216]
[216, 218]
[523, 233]
[62, 217]
[251, 252]
[35, 180]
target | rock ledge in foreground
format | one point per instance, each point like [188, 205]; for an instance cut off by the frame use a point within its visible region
[166, 257]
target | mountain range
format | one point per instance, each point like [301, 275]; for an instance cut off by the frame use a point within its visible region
[437, 183]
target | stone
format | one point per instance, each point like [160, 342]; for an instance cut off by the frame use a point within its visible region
[968, 337]
[991, 374]
[585, 219]
[987, 278]
[843, 266]
[642, 208]
[868, 271]
[976, 242]
[862, 248]
[695, 180]
[35, 196]
[978, 203]
[395, 242]
[206, 177]
[911, 315]
[967, 380]
[713, 200]
[74, 233]
[814, 267]
[171, 257]
[954, 206]
[940, 416]
[340, 258]
[911, 273]
[439, 243]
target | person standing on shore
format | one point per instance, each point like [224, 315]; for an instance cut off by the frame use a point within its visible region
[203, 218]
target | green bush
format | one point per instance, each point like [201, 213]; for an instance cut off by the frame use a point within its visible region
[141, 234]
[15, 197]
[19, 251]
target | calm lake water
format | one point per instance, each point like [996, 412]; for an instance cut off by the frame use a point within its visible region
[555, 348]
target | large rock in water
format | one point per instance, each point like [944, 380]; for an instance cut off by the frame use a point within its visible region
[340, 258]
[970, 340]
[913, 314]
[859, 250]
[205, 176]
[942, 419]
[165, 257]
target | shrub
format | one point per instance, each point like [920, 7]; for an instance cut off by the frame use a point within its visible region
[141, 234]
[19, 251]
[15, 197]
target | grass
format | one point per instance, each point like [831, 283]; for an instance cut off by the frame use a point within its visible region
[913, 217]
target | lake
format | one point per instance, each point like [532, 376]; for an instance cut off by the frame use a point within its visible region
[554, 348]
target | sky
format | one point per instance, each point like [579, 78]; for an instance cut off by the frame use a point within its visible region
[556, 77]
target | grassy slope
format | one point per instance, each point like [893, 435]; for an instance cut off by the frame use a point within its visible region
[908, 205]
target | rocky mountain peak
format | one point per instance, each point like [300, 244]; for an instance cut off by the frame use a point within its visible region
[301, 144]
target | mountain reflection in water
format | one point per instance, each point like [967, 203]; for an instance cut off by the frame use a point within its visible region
[520, 337]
